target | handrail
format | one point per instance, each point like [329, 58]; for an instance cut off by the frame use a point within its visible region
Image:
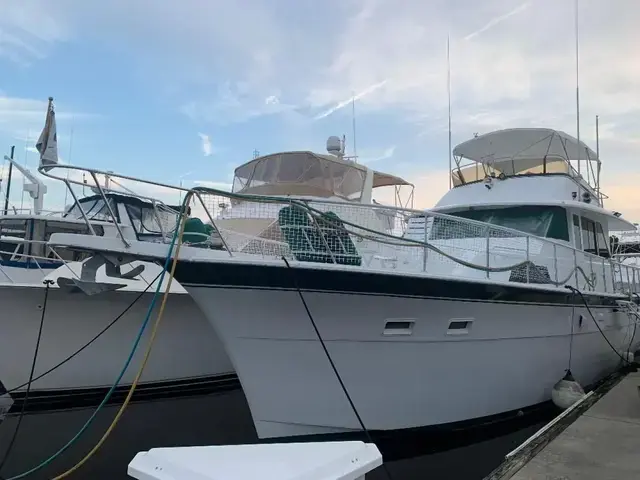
[35, 258]
[28, 211]
[495, 234]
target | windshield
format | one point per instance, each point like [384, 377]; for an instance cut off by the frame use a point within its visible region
[549, 222]
[145, 218]
[95, 209]
[300, 173]
[477, 171]
[146, 221]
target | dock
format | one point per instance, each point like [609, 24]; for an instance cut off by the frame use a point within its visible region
[598, 441]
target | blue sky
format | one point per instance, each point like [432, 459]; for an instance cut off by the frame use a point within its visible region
[165, 88]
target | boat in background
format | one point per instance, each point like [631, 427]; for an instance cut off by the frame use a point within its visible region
[188, 358]
[625, 246]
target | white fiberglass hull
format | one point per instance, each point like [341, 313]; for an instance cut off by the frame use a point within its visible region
[421, 369]
[186, 347]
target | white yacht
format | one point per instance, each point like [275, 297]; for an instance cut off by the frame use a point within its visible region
[462, 318]
[625, 245]
[188, 357]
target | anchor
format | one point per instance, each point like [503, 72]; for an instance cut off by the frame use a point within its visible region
[87, 282]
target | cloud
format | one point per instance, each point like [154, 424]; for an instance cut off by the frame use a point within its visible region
[23, 118]
[207, 149]
[233, 103]
[497, 20]
[367, 91]
[368, 156]
[624, 195]
[320, 54]
[28, 30]
[513, 72]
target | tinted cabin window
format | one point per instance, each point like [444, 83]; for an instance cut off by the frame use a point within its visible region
[577, 233]
[602, 243]
[589, 235]
[593, 238]
[12, 231]
[549, 222]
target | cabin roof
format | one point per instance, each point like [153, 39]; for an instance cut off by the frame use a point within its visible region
[529, 146]
[380, 179]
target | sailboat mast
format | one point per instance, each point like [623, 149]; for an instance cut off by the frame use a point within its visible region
[449, 100]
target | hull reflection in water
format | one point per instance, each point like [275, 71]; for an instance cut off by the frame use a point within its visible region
[217, 420]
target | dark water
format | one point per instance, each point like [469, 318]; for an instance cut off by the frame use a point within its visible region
[215, 419]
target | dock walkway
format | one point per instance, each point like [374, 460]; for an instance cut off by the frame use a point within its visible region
[601, 444]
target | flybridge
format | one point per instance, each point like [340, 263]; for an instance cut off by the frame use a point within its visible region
[528, 152]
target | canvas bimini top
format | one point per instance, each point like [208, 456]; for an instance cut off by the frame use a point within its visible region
[523, 151]
[305, 173]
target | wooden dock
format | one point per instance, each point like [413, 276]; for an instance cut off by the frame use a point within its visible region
[602, 443]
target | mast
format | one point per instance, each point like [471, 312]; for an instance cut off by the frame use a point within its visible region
[353, 122]
[449, 100]
[598, 157]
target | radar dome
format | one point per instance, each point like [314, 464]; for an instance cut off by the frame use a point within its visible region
[334, 145]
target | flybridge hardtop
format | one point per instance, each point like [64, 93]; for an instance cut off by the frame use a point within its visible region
[521, 151]
[528, 167]
[515, 145]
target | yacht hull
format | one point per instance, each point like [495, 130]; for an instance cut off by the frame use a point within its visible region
[186, 350]
[412, 351]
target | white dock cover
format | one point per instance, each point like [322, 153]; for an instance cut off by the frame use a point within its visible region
[281, 461]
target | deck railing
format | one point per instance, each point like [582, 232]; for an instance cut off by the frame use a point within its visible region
[380, 237]
[14, 263]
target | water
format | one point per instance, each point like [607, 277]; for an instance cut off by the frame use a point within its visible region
[215, 419]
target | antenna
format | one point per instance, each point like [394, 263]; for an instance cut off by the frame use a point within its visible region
[353, 121]
[8, 192]
[256, 153]
[577, 87]
[598, 157]
[66, 190]
[449, 99]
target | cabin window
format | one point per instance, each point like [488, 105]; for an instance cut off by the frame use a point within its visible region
[593, 239]
[95, 208]
[146, 220]
[577, 232]
[603, 248]
[589, 235]
[549, 222]
[12, 234]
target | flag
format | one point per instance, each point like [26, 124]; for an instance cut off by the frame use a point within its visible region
[47, 144]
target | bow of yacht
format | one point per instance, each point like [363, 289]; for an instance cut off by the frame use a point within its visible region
[85, 339]
[441, 319]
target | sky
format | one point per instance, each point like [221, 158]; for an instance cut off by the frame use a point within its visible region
[185, 91]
